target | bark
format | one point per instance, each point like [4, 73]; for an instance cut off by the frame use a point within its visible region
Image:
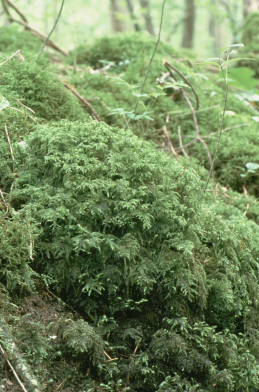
[189, 24]
[132, 15]
[145, 5]
[250, 6]
[116, 21]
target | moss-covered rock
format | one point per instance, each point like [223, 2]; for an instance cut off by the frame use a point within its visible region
[39, 89]
[165, 272]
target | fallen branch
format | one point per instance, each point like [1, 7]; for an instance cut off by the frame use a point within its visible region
[84, 101]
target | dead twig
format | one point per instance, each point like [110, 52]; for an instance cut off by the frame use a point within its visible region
[246, 195]
[12, 369]
[10, 145]
[11, 5]
[108, 356]
[137, 347]
[4, 202]
[41, 36]
[84, 101]
[53, 28]
[17, 54]
[212, 134]
[171, 68]
[193, 111]
[60, 385]
[168, 140]
[197, 127]
[6, 10]
[181, 141]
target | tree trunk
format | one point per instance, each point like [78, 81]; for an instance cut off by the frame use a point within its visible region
[250, 6]
[189, 24]
[116, 21]
[132, 15]
[145, 5]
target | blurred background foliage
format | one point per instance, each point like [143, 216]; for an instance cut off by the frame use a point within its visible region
[216, 23]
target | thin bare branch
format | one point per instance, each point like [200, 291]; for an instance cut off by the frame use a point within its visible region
[53, 28]
[168, 140]
[4, 202]
[84, 101]
[171, 68]
[22, 16]
[17, 54]
[179, 131]
[10, 145]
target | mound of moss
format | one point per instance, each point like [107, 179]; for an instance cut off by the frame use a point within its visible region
[167, 277]
[120, 49]
[13, 38]
[37, 87]
[164, 113]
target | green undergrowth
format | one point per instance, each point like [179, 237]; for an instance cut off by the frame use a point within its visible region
[166, 276]
[157, 270]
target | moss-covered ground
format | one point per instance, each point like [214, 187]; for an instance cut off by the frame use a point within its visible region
[129, 246]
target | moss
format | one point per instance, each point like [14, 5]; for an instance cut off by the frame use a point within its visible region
[122, 48]
[128, 236]
[238, 146]
[39, 89]
[17, 234]
[13, 38]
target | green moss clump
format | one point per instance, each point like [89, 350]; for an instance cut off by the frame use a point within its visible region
[17, 235]
[15, 124]
[128, 237]
[238, 147]
[122, 48]
[115, 100]
[13, 38]
[39, 89]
